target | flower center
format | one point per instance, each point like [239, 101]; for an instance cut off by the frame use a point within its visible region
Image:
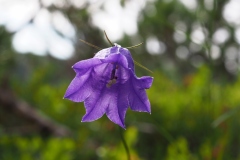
[113, 79]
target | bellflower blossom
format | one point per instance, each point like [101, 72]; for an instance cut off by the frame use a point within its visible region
[107, 84]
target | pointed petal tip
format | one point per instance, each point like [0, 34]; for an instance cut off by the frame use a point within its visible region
[87, 118]
[65, 97]
[122, 126]
[84, 119]
[149, 111]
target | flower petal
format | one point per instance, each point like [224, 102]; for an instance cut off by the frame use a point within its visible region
[117, 59]
[83, 66]
[144, 82]
[80, 87]
[112, 100]
[96, 105]
[125, 52]
[84, 84]
[117, 109]
[107, 84]
[118, 106]
[102, 54]
[109, 101]
[138, 100]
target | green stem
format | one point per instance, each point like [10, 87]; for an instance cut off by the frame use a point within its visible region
[124, 144]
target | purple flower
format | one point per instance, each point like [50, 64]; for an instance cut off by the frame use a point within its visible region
[107, 84]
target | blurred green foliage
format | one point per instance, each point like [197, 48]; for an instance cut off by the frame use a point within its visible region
[195, 110]
[188, 121]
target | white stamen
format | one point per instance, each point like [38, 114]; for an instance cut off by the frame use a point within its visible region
[111, 82]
